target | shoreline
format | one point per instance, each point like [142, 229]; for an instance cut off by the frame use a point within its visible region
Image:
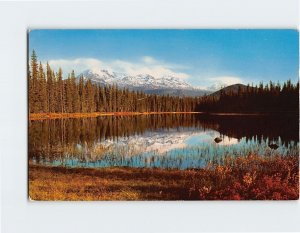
[248, 178]
[45, 116]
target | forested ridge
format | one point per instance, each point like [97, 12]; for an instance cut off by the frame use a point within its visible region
[50, 93]
[262, 98]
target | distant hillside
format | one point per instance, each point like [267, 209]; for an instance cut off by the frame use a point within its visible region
[229, 89]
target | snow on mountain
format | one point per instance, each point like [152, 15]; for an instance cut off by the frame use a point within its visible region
[144, 82]
[158, 143]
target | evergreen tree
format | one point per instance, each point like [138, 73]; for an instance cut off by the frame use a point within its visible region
[50, 89]
[33, 99]
[59, 107]
[75, 93]
[42, 104]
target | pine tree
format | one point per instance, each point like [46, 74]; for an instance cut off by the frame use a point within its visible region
[59, 107]
[69, 95]
[42, 90]
[82, 95]
[75, 93]
[90, 95]
[33, 99]
[30, 89]
[50, 89]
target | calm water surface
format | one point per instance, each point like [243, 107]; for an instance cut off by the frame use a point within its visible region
[166, 141]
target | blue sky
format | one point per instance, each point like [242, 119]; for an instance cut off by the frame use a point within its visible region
[205, 58]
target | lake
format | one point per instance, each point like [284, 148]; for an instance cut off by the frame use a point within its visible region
[164, 141]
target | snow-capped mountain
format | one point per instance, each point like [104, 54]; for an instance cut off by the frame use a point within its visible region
[144, 82]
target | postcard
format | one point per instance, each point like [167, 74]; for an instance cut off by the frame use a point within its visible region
[163, 114]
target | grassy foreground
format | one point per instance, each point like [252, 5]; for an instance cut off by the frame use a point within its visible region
[250, 177]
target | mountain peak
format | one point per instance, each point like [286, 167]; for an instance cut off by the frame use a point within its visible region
[165, 84]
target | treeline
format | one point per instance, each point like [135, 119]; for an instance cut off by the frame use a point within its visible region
[49, 93]
[262, 98]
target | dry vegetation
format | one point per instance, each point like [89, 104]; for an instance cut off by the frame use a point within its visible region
[252, 177]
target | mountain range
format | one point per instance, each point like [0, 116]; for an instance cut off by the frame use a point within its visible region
[146, 83]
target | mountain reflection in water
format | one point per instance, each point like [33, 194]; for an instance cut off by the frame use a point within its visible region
[166, 141]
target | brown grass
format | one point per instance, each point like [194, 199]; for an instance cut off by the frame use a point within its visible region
[248, 178]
